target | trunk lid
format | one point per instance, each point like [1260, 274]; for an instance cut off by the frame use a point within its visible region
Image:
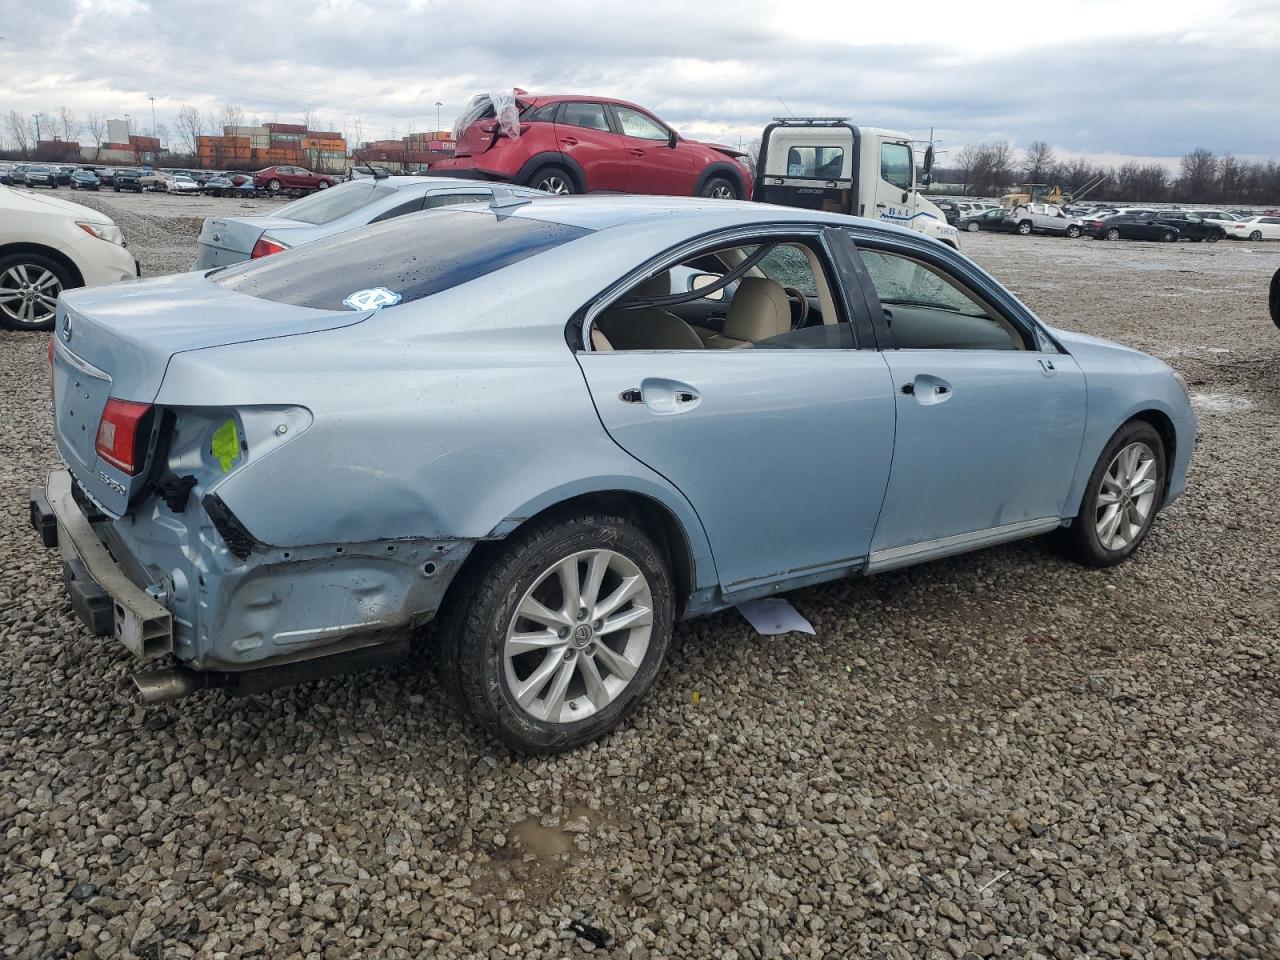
[116, 342]
[227, 240]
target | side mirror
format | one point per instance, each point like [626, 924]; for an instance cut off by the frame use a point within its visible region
[906, 195]
[700, 280]
[928, 162]
[671, 140]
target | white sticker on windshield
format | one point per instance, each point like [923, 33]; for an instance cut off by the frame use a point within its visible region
[372, 299]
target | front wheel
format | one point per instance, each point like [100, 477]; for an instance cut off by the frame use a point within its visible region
[562, 635]
[552, 180]
[1256, 235]
[1073, 232]
[973, 228]
[1024, 227]
[719, 188]
[1213, 237]
[323, 185]
[1113, 234]
[274, 186]
[1169, 237]
[1122, 498]
[29, 288]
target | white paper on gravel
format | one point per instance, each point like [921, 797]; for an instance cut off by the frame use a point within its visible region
[771, 616]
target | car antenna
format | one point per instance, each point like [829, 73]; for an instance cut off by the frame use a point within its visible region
[504, 198]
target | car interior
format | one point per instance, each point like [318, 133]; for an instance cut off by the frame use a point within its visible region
[783, 299]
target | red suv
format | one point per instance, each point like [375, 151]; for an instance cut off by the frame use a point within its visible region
[276, 179]
[572, 144]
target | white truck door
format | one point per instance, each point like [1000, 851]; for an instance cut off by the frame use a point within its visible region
[893, 173]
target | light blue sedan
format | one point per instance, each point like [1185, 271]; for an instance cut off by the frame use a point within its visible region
[557, 427]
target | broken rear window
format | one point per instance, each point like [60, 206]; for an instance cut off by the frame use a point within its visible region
[411, 257]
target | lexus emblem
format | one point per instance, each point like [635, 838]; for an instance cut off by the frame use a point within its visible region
[66, 327]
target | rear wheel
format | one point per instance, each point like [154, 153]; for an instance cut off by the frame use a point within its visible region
[1256, 235]
[1024, 227]
[1073, 232]
[972, 227]
[719, 188]
[1214, 237]
[558, 639]
[29, 288]
[324, 185]
[1169, 237]
[554, 180]
[275, 186]
[1113, 234]
[1122, 498]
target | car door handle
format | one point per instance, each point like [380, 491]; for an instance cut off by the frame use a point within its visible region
[662, 397]
[927, 389]
[569, 141]
[1047, 366]
[636, 153]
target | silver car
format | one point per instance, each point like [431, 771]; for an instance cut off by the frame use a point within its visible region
[227, 240]
[1045, 218]
[557, 427]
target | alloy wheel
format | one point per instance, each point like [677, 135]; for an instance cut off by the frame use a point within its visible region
[1113, 234]
[1127, 496]
[29, 294]
[554, 183]
[722, 192]
[578, 636]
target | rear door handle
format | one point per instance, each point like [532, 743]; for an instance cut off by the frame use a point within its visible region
[569, 141]
[662, 397]
[636, 153]
[927, 389]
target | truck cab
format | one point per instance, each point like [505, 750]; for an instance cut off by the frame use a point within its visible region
[827, 163]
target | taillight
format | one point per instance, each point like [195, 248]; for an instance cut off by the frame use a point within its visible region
[122, 434]
[265, 247]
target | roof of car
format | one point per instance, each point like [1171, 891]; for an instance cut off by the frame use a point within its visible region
[543, 98]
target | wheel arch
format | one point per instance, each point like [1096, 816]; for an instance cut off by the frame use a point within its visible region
[726, 169]
[692, 569]
[1163, 425]
[1153, 416]
[52, 253]
[553, 158]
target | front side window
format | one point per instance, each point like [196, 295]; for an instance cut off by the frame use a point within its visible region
[636, 124]
[895, 164]
[544, 113]
[329, 205]
[412, 257]
[927, 309]
[823, 163]
[588, 115]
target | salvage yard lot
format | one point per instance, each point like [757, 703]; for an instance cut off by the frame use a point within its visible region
[1002, 754]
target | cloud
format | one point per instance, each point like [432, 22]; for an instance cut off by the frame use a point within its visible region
[1143, 78]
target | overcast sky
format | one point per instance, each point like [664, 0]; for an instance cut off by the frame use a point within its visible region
[1103, 78]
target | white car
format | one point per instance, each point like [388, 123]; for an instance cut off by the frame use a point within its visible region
[181, 183]
[49, 245]
[1255, 228]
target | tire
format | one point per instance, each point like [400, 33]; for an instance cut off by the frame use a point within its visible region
[719, 188]
[1273, 299]
[1084, 538]
[116, 189]
[1256, 235]
[1169, 237]
[274, 186]
[1073, 232]
[1214, 237]
[473, 655]
[29, 288]
[552, 179]
[1113, 234]
[1024, 228]
[323, 185]
[972, 228]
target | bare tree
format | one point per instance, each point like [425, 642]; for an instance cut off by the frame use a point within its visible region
[97, 126]
[190, 126]
[19, 128]
[966, 161]
[1039, 162]
[308, 118]
[232, 116]
[162, 133]
[355, 131]
[1199, 170]
[70, 125]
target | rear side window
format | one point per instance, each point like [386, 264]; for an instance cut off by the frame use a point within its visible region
[589, 115]
[412, 257]
[545, 113]
[825, 163]
[326, 206]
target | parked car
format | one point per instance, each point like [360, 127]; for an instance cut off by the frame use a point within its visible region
[85, 180]
[7, 174]
[996, 220]
[263, 519]
[950, 210]
[217, 186]
[581, 144]
[280, 178]
[40, 175]
[354, 203]
[1255, 228]
[1031, 218]
[64, 172]
[153, 180]
[181, 183]
[105, 174]
[48, 246]
[127, 178]
[1191, 226]
[1131, 226]
[1216, 216]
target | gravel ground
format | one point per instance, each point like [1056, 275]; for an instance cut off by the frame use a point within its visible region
[1001, 754]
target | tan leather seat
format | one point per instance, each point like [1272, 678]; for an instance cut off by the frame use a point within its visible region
[646, 328]
[760, 309]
